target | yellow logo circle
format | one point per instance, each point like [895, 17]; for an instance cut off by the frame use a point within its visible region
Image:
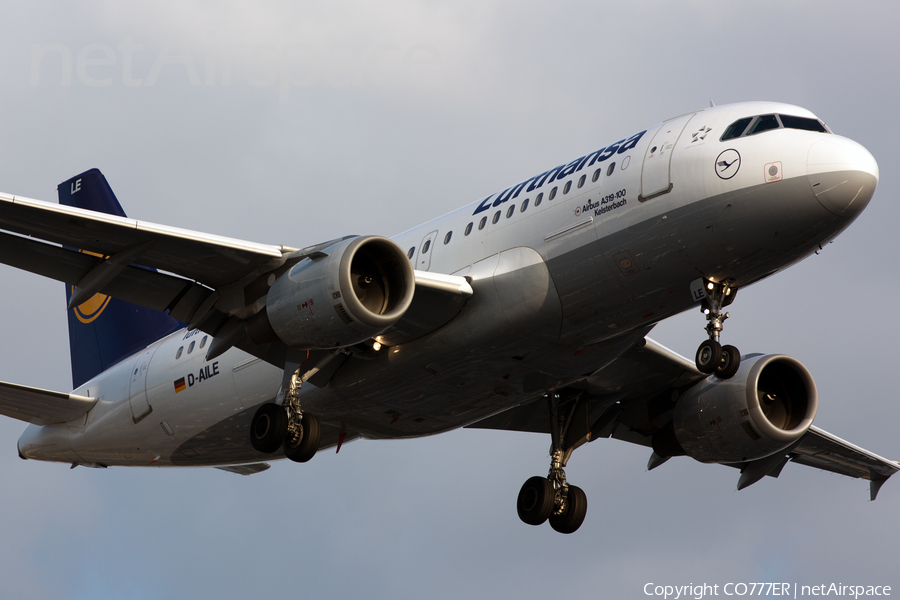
[90, 309]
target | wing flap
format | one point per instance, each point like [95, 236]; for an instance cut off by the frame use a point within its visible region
[42, 407]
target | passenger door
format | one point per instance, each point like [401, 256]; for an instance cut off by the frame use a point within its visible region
[656, 173]
[137, 391]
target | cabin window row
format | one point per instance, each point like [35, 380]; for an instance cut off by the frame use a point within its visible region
[511, 210]
[190, 347]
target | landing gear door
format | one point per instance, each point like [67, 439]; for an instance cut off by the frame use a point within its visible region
[426, 249]
[656, 174]
[140, 405]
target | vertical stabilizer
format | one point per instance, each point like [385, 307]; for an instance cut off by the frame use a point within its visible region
[103, 330]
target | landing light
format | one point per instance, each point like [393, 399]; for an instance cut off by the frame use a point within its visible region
[376, 346]
[709, 285]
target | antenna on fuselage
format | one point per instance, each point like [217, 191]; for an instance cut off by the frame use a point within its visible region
[712, 104]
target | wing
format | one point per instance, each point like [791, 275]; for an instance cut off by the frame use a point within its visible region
[631, 399]
[210, 282]
[42, 407]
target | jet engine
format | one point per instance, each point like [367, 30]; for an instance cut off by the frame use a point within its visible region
[768, 405]
[342, 295]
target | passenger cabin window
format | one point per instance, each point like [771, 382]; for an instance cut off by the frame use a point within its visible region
[411, 252]
[447, 237]
[581, 181]
[203, 341]
[496, 217]
[482, 223]
[567, 187]
[736, 129]
[610, 169]
[177, 355]
[426, 246]
[468, 228]
[552, 194]
[537, 200]
[191, 347]
[524, 205]
[763, 123]
[511, 211]
[803, 123]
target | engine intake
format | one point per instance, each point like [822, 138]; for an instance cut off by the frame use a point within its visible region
[350, 292]
[768, 405]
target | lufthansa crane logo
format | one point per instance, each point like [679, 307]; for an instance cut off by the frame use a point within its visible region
[728, 163]
[89, 310]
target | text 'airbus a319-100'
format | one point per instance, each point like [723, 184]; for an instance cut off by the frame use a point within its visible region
[527, 311]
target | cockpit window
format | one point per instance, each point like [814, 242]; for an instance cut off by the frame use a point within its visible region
[768, 122]
[763, 123]
[802, 123]
[736, 129]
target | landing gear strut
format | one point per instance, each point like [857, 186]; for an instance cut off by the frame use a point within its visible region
[552, 497]
[286, 426]
[303, 430]
[711, 356]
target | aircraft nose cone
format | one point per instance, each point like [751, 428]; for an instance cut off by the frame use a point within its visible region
[843, 175]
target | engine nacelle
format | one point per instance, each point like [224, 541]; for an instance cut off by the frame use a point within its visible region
[351, 292]
[769, 404]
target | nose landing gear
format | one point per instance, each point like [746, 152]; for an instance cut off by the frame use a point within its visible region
[711, 356]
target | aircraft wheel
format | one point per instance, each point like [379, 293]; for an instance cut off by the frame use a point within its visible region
[729, 363]
[573, 516]
[709, 355]
[268, 428]
[308, 445]
[535, 501]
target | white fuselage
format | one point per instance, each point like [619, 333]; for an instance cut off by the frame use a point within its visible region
[562, 287]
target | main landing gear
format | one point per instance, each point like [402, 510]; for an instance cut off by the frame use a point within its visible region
[552, 498]
[286, 426]
[711, 356]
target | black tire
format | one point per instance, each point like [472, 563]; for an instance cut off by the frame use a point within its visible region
[573, 516]
[535, 501]
[308, 445]
[729, 363]
[708, 357]
[268, 428]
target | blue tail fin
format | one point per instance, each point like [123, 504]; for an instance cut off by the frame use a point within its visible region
[103, 330]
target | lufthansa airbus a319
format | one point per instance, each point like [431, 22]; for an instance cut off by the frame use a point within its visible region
[527, 310]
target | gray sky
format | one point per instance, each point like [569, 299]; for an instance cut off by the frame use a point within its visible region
[296, 122]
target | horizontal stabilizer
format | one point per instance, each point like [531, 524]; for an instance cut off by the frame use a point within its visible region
[246, 469]
[42, 407]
